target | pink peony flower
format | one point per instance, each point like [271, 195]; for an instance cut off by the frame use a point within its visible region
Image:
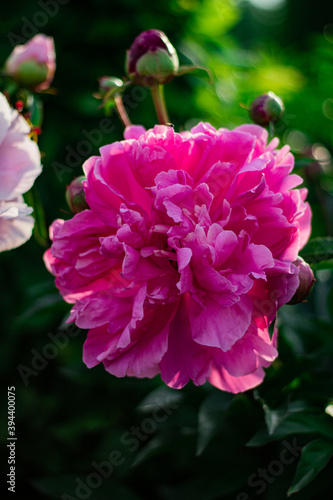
[19, 167]
[33, 64]
[185, 255]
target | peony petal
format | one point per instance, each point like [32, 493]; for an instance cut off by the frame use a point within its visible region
[5, 117]
[218, 326]
[184, 359]
[220, 378]
[134, 132]
[15, 232]
[20, 158]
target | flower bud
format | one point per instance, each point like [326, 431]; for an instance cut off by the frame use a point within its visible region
[32, 65]
[75, 196]
[266, 108]
[107, 83]
[306, 281]
[151, 60]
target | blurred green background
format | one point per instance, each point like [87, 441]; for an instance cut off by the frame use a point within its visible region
[69, 417]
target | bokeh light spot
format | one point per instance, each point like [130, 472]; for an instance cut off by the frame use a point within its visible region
[268, 4]
[328, 108]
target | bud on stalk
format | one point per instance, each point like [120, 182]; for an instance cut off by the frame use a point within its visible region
[107, 84]
[32, 65]
[151, 60]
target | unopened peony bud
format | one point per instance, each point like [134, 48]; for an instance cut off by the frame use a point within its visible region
[152, 59]
[32, 65]
[107, 83]
[266, 109]
[75, 196]
[306, 281]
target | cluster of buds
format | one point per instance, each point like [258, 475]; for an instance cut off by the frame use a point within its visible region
[151, 62]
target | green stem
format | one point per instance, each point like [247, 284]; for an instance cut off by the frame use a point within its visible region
[159, 103]
[271, 130]
[122, 111]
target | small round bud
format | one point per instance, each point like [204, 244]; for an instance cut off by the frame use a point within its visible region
[151, 60]
[75, 196]
[32, 65]
[266, 108]
[306, 281]
[107, 83]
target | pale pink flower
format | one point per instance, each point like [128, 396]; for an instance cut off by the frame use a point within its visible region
[33, 64]
[19, 167]
[185, 255]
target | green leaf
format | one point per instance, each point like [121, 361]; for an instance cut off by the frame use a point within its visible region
[273, 418]
[160, 398]
[324, 264]
[211, 413]
[11, 87]
[40, 231]
[157, 445]
[184, 70]
[35, 107]
[317, 250]
[304, 162]
[296, 423]
[314, 458]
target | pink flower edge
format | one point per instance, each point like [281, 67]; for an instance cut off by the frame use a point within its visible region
[20, 165]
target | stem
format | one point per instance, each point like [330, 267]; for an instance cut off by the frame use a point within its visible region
[122, 111]
[159, 103]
